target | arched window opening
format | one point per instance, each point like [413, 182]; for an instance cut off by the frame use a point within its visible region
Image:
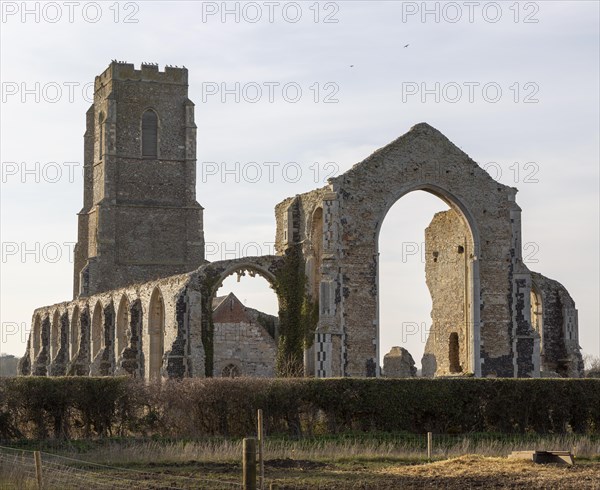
[55, 335]
[75, 329]
[122, 325]
[37, 335]
[537, 317]
[156, 331]
[149, 134]
[231, 371]
[425, 283]
[251, 292]
[96, 336]
[245, 324]
[454, 353]
[536, 311]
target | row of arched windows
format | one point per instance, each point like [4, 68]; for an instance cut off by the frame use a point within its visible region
[97, 332]
[149, 134]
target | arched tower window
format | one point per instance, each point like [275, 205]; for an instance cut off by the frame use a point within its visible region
[149, 134]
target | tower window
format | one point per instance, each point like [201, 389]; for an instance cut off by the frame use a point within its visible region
[149, 134]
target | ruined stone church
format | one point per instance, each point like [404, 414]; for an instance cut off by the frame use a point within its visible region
[144, 295]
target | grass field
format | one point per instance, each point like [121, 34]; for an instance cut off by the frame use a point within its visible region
[460, 463]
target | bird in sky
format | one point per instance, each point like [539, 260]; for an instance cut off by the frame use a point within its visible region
[406, 45]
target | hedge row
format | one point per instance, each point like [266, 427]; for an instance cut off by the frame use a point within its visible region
[39, 407]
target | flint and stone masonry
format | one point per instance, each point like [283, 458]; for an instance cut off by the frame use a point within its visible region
[398, 363]
[140, 219]
[143, 292]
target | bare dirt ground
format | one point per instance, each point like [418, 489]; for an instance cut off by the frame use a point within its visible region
[341, 470]
[466, 472]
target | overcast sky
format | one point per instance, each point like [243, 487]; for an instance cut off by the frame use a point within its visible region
[515, 85]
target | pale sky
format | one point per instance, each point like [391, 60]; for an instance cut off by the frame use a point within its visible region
[515, 85]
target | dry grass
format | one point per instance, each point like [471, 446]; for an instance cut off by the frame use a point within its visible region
[336, 450]
[308, 464]
[483, 472]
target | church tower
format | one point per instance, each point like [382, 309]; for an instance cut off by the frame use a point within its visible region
[140, 219]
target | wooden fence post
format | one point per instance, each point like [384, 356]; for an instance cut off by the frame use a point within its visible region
[261, 461]
[38, 469]
[249, 464]
[429, 444]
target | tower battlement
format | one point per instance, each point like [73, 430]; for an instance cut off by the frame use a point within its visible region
[148, 72]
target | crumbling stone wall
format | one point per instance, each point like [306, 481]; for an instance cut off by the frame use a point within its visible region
[354, 207]
[301, 223]
[140, 224]
[448, 253]
[189, 343]
[398, 363]
[553, 315]
[560, 350]
[78, 360]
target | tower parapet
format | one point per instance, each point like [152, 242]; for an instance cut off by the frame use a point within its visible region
[148, 72]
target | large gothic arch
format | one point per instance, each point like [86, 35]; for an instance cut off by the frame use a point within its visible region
[354, 207]
[472, 284]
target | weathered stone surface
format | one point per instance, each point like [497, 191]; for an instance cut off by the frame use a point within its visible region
[554, 316]
[448, 254]
[143, 292]
[240, 341]
[481, 299]
[552, 312]
[140, 219]
[398, 363]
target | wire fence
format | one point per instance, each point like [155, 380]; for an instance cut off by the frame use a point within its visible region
[18, 470]
[176, 464]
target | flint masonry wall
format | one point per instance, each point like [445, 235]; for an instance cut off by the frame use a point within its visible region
[560, 350]
[354, 207]
[140, 233]
[300, 221]
[140, 219]
[398, 363]
[448, 253]
[552, 310]
[84, 321]
[185, 327]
